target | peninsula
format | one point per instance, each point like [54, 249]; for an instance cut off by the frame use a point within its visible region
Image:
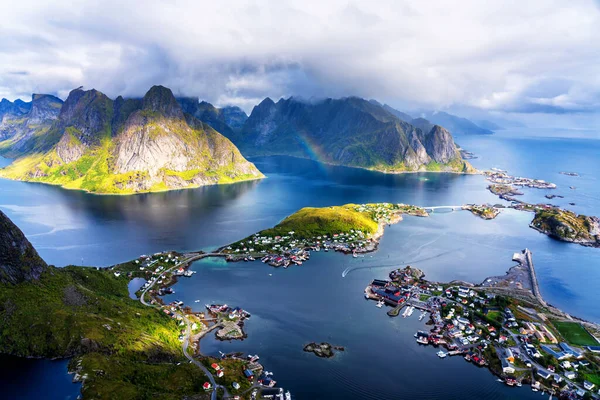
[503, 324]
[119, 347]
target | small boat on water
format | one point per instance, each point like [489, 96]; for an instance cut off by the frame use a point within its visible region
[423, 314]
[441, 354]
[288, 395]
[197, 301]
[379, 304]
[423, 340]
[251, 258]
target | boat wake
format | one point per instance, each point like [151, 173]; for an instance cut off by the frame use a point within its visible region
[350, 269]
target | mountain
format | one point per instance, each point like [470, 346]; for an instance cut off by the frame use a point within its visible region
[8, 108]
[234, 116]
[117, 344]
[22, 131]
[403, 116]
[456, 125]
[130, 146]
[19, 261]
[349, 131]
[208, 114]
[489, 125]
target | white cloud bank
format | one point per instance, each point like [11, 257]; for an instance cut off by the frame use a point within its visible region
[535, 56]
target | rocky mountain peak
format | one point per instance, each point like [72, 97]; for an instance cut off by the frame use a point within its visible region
[19, 261]
[160, 99]
[44, 107]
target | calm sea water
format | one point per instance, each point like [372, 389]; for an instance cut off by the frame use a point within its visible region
[314, 302]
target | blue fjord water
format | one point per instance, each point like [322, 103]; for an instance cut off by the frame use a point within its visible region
[313, 302]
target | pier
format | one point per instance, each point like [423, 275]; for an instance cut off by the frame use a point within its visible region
[525, 259]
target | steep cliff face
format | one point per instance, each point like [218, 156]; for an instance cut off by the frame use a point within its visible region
[23, 129]
[235, 117]
[349, 131]
[19, 261]
[227, 120]
[130, 146]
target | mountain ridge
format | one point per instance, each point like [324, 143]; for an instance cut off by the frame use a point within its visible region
[350, 131]
[126, 146]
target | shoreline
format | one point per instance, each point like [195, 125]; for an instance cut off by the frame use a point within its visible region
[488, 352]
[475, 172]
[129, 194]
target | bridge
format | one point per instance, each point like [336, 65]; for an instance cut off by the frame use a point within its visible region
[451, 208]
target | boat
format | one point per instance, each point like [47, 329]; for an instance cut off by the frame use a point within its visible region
[251, 258]
[423, 340]
[197, 301]
[354, 255]
[288, 395]
[379, 304]
[423, 314]
[441, 354]
[534, 389]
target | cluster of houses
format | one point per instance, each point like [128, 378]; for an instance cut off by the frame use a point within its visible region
[540, 331]
[502, 178]
[468, 322]
[289, 248]
[229, 312]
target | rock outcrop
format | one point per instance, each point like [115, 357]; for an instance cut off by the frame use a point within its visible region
[19, 261]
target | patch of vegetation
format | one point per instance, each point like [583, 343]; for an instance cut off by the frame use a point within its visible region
[123, 349]
[310, 222]
[565, 225]
[575, 333]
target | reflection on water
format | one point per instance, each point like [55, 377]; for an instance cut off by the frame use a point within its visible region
[292, 306]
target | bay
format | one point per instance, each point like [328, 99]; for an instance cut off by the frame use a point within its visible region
[314, 302]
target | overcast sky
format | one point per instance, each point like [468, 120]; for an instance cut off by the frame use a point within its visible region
[535, 59]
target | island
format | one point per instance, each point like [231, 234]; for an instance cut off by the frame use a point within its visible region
[567, 226]
[503, 190]
[558, 223]
[483, 211]
[323, 350]
[502, 324]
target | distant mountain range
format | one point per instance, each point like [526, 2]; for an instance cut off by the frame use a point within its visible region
[349, 131]
[123, 146]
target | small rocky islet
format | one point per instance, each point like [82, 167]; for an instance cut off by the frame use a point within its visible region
[323, 350]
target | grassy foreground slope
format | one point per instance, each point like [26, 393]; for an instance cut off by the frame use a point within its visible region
[123, 349]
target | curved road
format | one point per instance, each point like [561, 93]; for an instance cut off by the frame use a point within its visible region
[186, 340]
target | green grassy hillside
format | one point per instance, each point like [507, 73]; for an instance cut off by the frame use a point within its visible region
[127, 350]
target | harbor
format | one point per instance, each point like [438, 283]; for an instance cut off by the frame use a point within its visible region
[492, 328]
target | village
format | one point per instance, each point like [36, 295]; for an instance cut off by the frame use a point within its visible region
[501, 177]
[231, 376]
[293, 248]
[517, 340]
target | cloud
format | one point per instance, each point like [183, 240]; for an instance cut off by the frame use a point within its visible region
[539, 56]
